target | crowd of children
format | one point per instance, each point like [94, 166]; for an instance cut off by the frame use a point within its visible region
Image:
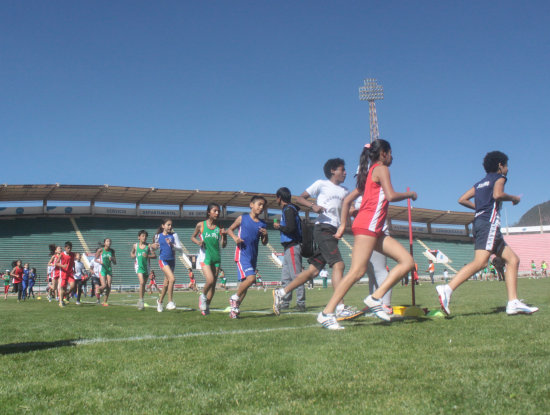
[335, 205]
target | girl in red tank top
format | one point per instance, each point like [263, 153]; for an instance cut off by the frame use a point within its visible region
[374, 183]
[371, 218]
[55, 252]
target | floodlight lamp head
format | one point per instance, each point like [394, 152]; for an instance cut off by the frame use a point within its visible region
[371, 90]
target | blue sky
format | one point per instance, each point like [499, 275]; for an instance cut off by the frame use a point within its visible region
[254, 95]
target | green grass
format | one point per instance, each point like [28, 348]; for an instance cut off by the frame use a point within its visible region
[480, 361]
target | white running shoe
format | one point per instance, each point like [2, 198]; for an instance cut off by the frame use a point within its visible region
[234, 301]
[202, 303]
[345, 311]
[518, 307]
[444, 298]
[328, 321]
[140, 304]
[375, 307]
[160, 308]
[77, 302]
[171, 306]
[278, 295]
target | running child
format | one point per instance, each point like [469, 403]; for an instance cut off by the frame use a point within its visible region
[79, 273]
[105, 256]
[168, 242]
[6, 278]
[222, 278]
[66, 265]
[192, 282]
[17, 275]
[369, 226]
[142, 254]
[55, 273]
[49, 282]
[32, 281]
[488, 195]
[152, 282]
[25, 281]
[251, 230]
[210, 237]
[329, 195]
[95, 271]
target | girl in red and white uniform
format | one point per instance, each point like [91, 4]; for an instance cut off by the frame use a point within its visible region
[54, 271]
[374, 183]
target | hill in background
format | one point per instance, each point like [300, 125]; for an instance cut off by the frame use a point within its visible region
[533, 218]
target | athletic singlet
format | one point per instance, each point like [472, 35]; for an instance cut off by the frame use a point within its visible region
[249, 232]
[487, 208]
[211, 246]
[67, 259]
[56, 272]
[374, 207]
[168, 244]
[142, 259]
[18, 271]
[25, 274]
[106, 258]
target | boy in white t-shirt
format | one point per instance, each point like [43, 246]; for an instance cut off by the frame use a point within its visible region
[329, 194]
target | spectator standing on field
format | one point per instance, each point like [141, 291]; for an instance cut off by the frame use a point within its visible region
[431, 270]
[533, 268]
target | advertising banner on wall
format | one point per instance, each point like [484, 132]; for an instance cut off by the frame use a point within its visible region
[102, 210]
[27, 210]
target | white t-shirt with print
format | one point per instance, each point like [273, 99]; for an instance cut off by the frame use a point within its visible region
[330, 197]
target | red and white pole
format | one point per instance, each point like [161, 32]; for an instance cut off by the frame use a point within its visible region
[411, 247]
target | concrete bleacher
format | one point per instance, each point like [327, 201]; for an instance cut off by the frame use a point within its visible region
[458, 252]
[28, 239]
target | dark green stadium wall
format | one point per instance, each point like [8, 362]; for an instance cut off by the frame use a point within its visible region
[28, 239]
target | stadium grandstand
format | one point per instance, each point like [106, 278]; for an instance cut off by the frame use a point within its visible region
[34, 216]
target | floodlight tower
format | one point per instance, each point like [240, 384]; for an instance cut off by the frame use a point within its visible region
[372, 91]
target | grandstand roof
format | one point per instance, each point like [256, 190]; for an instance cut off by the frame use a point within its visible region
[156, 196]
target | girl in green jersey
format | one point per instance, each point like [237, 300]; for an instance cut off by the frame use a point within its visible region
[209, 238]
[142, 253]
[105, 256]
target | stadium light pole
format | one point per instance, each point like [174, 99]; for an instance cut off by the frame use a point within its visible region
[372, 91]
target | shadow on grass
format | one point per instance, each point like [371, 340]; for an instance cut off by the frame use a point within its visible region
[495, 310]
[26, 347]
[394, 320]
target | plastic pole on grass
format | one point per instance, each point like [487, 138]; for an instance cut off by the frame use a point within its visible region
[411, 246]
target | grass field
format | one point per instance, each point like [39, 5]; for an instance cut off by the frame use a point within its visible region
[91, 359]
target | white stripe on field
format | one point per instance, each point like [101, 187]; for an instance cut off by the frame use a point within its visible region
[86, 342]
[131, 303]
